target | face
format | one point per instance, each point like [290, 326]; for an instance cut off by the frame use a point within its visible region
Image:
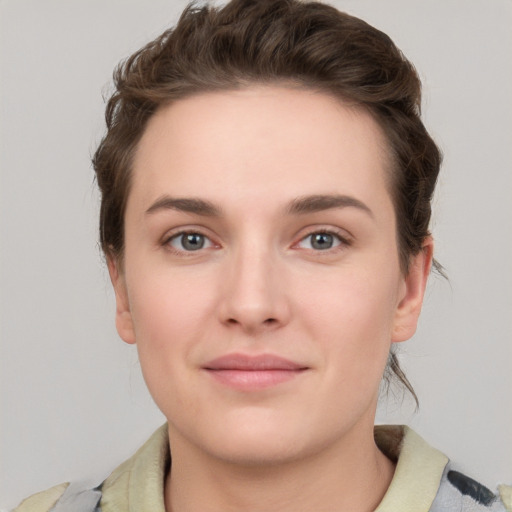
[261, 277]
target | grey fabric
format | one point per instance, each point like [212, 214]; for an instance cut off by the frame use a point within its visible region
[459, 493]
[456, 493]
[78, 498]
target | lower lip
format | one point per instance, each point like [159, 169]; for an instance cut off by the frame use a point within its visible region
[252, 380]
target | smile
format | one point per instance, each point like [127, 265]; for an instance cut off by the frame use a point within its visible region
[251, 373]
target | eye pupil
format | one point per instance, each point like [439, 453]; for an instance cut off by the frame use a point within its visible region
[192, 241]
[322, 241]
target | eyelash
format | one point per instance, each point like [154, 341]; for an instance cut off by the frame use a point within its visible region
[342, 242]
[167, 242]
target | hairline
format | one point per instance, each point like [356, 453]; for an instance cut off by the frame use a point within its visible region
[390, 161]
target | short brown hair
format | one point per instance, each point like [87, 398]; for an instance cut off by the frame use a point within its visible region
[309, 44]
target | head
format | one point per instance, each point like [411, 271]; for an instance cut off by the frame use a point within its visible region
[283, 45]
[310, 45]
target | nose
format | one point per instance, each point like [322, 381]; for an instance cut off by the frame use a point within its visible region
[254, 292]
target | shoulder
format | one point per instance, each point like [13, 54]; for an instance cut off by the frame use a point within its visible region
[137, 484]
[458, 491]
[506, 496]
[74, 497]
[68, 497]
[42, 501]
[425, 479]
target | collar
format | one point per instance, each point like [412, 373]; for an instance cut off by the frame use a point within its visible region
[418, 471]
[138, 484]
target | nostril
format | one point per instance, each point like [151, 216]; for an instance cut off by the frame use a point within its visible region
[268, 321]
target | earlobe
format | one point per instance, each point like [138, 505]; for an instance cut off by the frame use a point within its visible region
[409, 307]
[124, 324]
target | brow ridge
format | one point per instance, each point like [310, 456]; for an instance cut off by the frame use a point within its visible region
[299, 206]
[320, 202]
[185, 204]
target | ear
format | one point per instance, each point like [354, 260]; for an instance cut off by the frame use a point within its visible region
[124, 324]
[415, 282]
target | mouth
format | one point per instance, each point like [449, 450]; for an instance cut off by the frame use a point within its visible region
[250, 373]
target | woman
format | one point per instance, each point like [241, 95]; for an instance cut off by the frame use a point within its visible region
[266, 184]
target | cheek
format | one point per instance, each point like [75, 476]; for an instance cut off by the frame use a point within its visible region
[352, 317]
[168, 303]
[170, 315]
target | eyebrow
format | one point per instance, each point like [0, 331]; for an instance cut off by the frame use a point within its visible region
[318, 203]
[299, 206]
[185, 204]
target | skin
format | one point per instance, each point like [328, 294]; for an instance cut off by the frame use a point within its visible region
[260, 285]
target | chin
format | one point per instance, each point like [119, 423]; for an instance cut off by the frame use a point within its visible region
[253, 451]
[254, 438]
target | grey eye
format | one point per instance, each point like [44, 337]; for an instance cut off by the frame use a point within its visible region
[189, 241]
[320, 241]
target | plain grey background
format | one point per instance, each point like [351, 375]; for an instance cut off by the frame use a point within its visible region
[73, 404]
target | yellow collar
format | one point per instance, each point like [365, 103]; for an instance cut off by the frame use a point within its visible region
[138, 484]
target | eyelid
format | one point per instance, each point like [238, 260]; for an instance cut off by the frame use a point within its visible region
[345, 238]
[186, 230]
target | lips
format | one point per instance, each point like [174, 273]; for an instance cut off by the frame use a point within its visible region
[247, 372]
[263, 362]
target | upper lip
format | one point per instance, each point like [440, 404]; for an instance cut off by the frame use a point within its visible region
[245, 362]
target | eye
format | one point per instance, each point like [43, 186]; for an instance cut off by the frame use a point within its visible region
[189, 242]
[320, 241]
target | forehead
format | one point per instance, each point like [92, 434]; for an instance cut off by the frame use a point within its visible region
[277, 139]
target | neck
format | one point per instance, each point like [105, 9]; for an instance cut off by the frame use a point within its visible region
[353, 475]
